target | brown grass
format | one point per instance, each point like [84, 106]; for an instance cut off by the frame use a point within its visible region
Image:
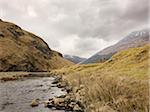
[21, 50]
[118, 85]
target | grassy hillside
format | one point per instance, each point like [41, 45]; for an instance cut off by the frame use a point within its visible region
[23, 51]
[117, 85]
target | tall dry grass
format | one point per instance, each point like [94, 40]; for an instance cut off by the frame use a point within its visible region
[108, 93]
[119, 85]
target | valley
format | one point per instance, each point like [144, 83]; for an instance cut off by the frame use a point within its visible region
[35, 78]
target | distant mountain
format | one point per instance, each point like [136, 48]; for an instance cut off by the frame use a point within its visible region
[74, 59]
[134, 39]
[23, 51]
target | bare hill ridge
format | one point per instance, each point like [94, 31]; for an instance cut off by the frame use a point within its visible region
[74, 59]
[134, 39]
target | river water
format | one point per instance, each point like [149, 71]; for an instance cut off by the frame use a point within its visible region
[16, 96]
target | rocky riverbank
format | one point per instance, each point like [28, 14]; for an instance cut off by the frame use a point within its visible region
[69, 102]
[17, 95]
[38, 92]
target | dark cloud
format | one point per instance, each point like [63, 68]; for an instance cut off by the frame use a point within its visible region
[115, 18]
[137, 10]
[86, 24]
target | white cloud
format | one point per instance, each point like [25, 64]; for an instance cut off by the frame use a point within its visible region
[78, 27]
[31, 12]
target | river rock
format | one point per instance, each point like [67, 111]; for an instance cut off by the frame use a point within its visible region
[58, 100]
[64, 102]
[76, 108]
[48, 104]
[34, 102]
[57, 80]
[68, 89]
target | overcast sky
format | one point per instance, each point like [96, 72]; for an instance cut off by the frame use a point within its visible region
[77, 27]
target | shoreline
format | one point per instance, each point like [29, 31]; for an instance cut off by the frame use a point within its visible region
[67, 102]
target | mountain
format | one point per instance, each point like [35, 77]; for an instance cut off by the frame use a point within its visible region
[21, 50]
[74, 59]
[134, 39]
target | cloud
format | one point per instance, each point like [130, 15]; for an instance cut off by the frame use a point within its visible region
[104, 19]
[77, 27]
[90, 45]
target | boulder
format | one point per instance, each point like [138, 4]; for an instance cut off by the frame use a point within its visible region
[34, 103]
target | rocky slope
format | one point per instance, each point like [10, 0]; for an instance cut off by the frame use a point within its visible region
[23, 51]
[135, 39]
[74, 59]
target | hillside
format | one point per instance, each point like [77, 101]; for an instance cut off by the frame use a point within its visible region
[23, 51]
[119, 84]
[74, 59]
[135, 39]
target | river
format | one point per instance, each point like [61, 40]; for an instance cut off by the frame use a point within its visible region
[16, 96]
